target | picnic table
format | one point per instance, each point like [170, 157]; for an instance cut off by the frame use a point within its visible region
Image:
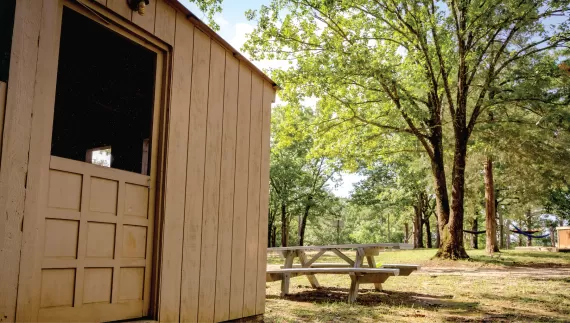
[359, 271]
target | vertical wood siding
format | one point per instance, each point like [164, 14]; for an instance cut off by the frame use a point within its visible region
[217, 167]
[15, 149]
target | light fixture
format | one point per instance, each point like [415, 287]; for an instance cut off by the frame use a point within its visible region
[138, 5]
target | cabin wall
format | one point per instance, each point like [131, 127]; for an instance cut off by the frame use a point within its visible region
[213, 245]
[563, 238]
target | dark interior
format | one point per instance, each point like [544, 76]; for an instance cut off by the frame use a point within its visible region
[7, 9]
[104, 95]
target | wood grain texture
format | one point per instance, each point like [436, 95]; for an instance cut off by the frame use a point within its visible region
[17, 129]
[3, 92]
[103, 2]
[268, 99]
[195, 179]
[120, 7]
[227, 182]
[146, 22]
[240, 195]
[212, 170]
[164, 25]
[176, 171]
[252, 232]
[39, 159]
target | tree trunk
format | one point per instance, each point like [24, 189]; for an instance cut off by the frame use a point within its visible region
[552, 236]
[440, 187]
[501, 229]
[406, 233]
[508, 236]
[428, 232]
[528, 228]
[418, 232]
[274, 237]
[303, 222]
[491, 218]
[452, 237]
[475, 240]
[284, 228]
[437, 238]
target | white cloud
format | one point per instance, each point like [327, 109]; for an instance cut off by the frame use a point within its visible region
[220, 20]
[242, 31]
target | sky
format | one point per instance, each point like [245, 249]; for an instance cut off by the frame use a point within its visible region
[234, 28]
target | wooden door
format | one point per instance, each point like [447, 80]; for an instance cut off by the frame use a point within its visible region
[89, 233]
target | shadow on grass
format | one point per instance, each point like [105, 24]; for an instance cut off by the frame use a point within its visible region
[509, 261]
[370, 297]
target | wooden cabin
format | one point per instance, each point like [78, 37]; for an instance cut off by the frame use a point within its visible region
[134, 165]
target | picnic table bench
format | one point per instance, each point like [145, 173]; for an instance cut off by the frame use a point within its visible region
[359, 272]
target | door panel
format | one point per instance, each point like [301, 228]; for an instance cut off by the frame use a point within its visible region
[96, 243]
[88, 231]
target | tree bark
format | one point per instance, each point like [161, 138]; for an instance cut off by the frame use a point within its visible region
[284, 228]
[418, 243]
[490, 212]
[406, 233]
[437, 238]
[428, 231]
[440, 187]
[475, 239]
[452, 237]
[303, 222]
[418, 220]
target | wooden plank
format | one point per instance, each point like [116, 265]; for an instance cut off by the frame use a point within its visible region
[120, 7]
[353, 292]
[195, 179]
[17, 128]
[226, 212]
[103, 2]
[252, 221]
[343, 256]
[289, 257]
[240, 196]
[146, 22]
[39, 158]
[207, 295]
[345, 246]
[175, 188]
[331, 271]
[3, 90]
[372, 264]
[164, 27]
[303, 259]
[315, 258]
[268, 98]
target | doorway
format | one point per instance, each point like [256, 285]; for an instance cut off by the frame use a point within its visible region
[98, 220]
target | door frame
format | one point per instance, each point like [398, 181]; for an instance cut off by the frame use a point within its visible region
[28, 300]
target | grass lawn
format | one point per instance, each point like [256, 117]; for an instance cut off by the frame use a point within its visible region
[510, 287]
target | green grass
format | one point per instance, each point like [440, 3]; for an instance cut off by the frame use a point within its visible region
[464, 294]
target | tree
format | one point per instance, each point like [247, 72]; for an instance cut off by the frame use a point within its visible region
[386, 69]
[491, 214]
[299, 180]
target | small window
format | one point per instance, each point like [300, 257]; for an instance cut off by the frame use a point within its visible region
[99, 156]
[104, 97]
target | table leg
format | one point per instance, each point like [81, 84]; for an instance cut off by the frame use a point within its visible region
[354, 284]
[372, 264]
[312, 279]
[289, 256]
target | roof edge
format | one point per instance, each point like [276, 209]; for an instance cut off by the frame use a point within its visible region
[210, 32]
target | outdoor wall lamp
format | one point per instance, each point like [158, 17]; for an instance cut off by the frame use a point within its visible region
[138, 5]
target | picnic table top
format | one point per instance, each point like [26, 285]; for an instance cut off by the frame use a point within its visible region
[347, 246]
